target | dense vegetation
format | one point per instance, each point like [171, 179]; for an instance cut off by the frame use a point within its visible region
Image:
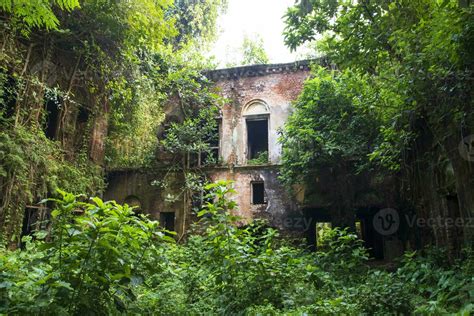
[399, 106]
[102, 257]
[85, 86]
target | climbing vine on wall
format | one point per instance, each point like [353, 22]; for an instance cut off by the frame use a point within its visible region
[73, 72]
[416, 58]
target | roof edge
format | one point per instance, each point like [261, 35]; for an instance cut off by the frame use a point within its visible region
[262, 69]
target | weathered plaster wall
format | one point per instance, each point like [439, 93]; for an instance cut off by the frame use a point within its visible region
[154, 200]
[281, 211]
[276, 85]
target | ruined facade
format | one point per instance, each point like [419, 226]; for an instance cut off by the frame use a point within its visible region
[259, 100]
[258, 104]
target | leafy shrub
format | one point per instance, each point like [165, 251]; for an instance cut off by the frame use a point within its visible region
[382, 293]
[94, 258]
[343, 254]
[101, 258]
[261, 159]
[437, 285]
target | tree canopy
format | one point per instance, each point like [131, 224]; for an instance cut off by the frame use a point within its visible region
[253, 51]
[413, 62]
[83, 85]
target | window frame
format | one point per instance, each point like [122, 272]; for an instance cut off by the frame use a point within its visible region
[252, 199]
[253, 118]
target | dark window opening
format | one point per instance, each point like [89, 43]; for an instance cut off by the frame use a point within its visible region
[53, 104]
[82, 116]
[35, 219]
[257, 138]
[258, 193]
[9, 96]
[167, 220]
[29, 221]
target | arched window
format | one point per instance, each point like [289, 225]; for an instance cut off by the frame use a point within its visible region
[256, 107]
[256, 114]
[134, 202]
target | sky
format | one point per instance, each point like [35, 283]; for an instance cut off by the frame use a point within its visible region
[250, 18]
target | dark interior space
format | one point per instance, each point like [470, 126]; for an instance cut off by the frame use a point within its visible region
[456, 233]
[34, 218]
[314, 216]
[28, 221]
[52, 118]
[9, 96]
[82, 120]
[373, 241]
[257, 137]
[258, 193]
[167, 220]
[82, 116]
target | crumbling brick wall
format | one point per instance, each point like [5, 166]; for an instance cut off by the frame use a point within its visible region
[274, 87]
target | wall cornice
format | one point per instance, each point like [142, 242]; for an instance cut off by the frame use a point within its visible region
[262, 70]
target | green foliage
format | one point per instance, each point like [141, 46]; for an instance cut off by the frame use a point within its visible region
[253, 52]
[261, 159]
[413, 63]
[117, 61]
[194, 134]
[330, 125]
[434, 279]
[101, 257]
[95, 257]
[196, 19]
[413, 54]
[37, 13]
[344, 248]
[31, 166]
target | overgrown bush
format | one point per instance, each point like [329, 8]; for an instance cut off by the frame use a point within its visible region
[261, 159]
[93, 259]
[102, 258]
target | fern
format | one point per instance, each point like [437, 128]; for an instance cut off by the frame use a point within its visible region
[37, 13]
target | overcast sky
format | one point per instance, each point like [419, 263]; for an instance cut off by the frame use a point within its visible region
[252, 17]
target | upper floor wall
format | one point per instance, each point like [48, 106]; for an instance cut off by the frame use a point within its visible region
[258, 104]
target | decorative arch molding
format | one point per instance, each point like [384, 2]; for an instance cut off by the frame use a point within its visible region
[134, 201]
[256, 107]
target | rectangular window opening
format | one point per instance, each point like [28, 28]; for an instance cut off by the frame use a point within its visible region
[52, 118]
[258, 193]
[257, 138]
[167, 220]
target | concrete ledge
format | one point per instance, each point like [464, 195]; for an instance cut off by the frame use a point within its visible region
[262, 70]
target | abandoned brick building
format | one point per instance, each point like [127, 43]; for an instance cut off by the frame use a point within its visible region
[249, 154]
